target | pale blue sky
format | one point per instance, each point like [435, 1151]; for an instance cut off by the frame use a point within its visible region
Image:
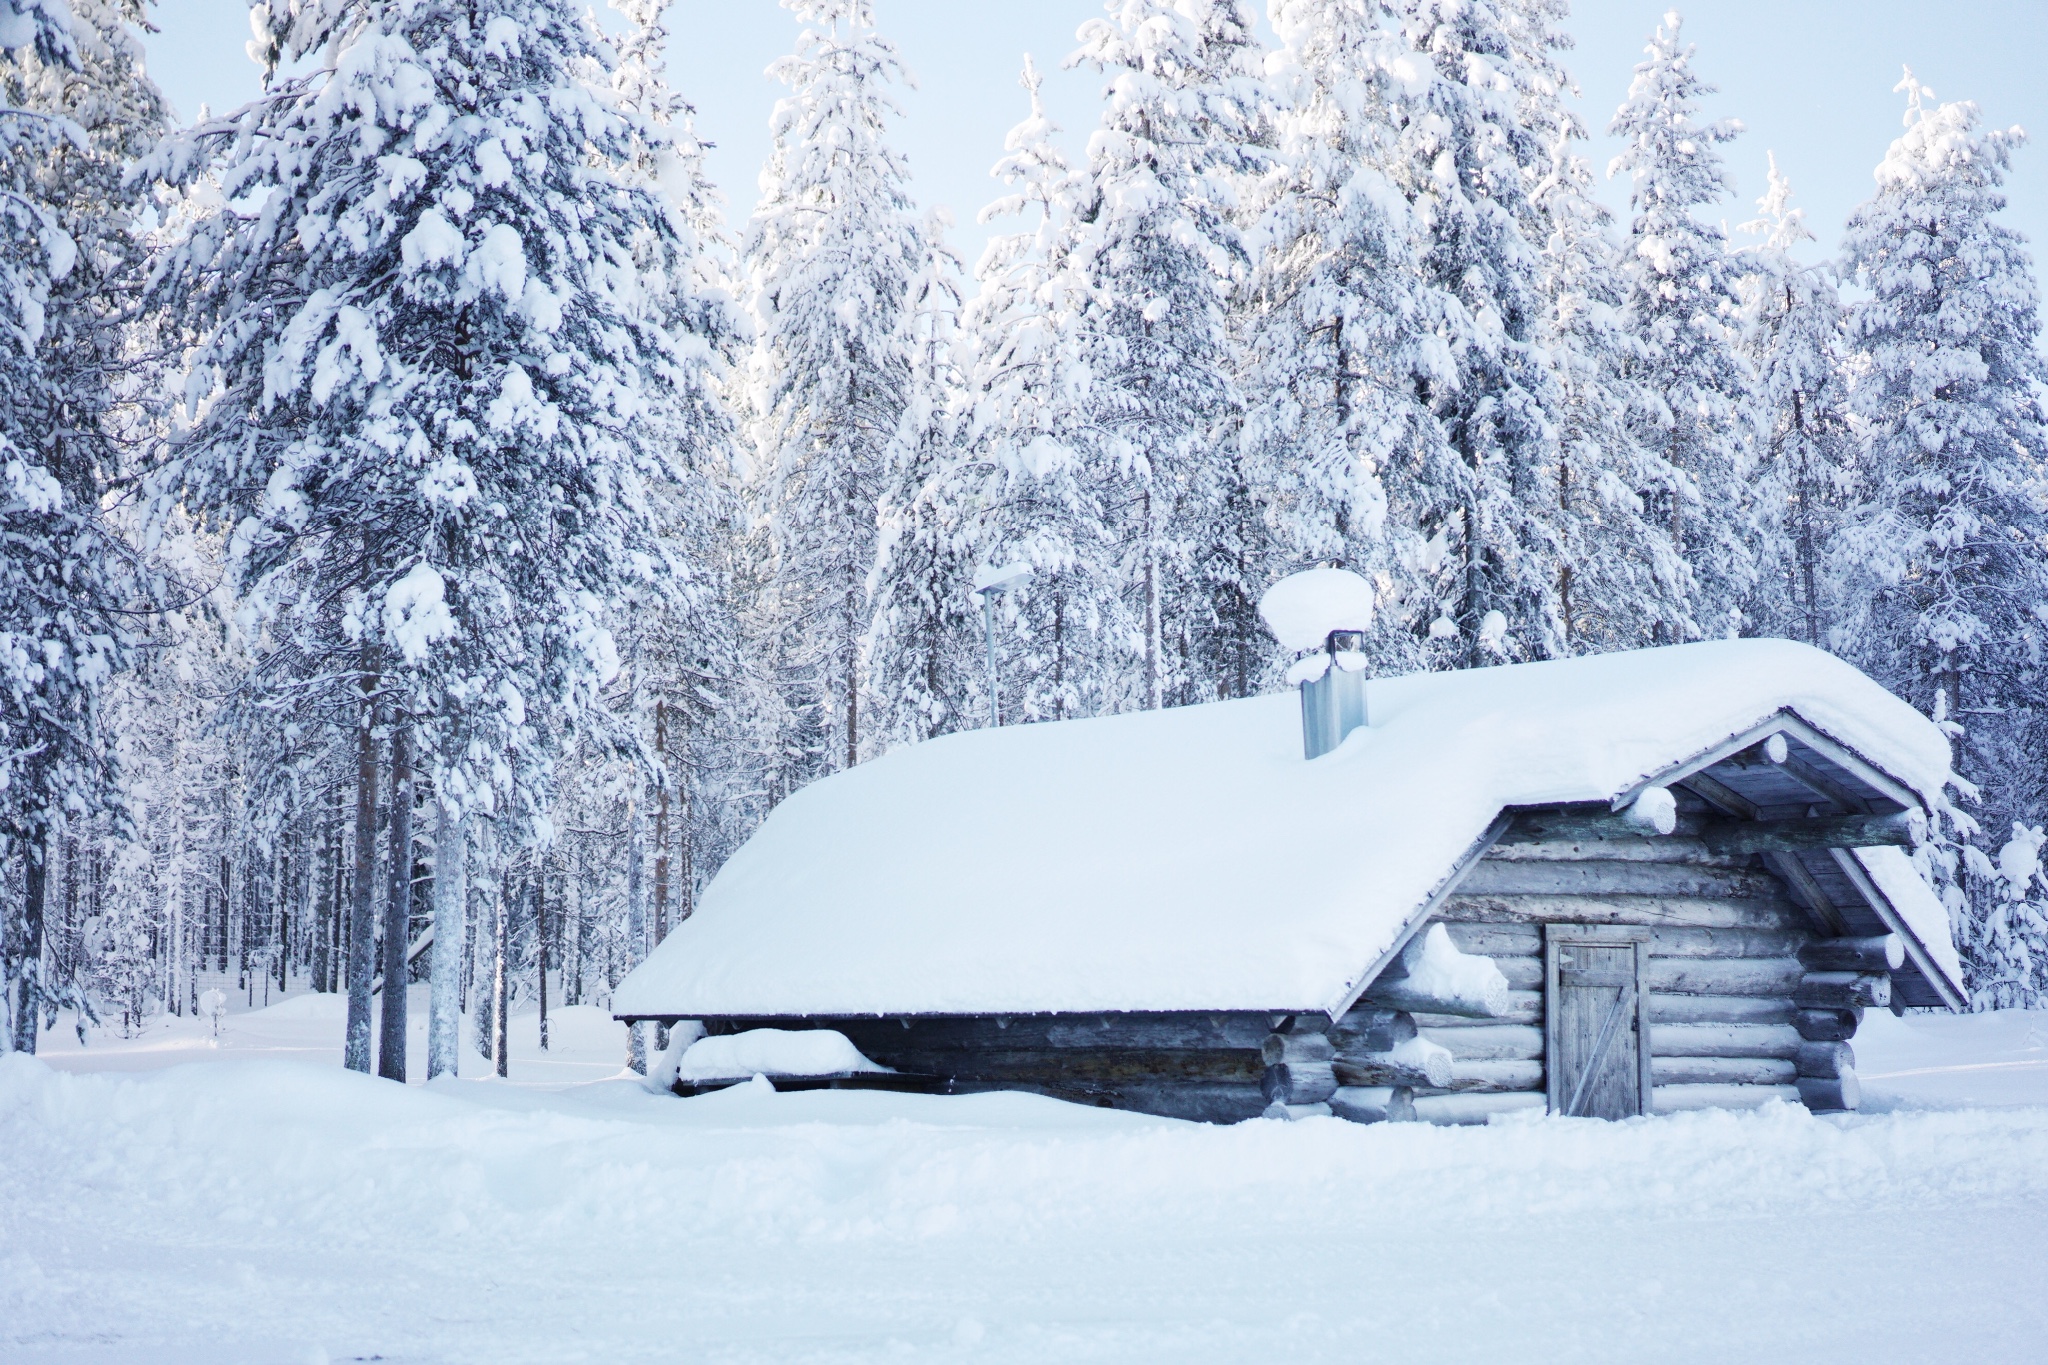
[1811, 79]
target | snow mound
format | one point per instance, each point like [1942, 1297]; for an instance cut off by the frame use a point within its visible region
[772, 1052]
[1302, 609]
[1438, 969]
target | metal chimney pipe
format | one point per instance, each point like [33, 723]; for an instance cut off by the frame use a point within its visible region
[1333, 703]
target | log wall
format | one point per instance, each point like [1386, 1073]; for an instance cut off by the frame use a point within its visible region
[1723, 971]
[1736, 1016]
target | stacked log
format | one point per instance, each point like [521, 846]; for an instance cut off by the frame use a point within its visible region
[1728, 961]
[1845, 977]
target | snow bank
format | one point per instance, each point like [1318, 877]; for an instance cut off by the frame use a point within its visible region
[1190, 858]
[772, 1052]
[273, 1211]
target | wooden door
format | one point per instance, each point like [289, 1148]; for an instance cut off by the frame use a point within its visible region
[1596, 1020]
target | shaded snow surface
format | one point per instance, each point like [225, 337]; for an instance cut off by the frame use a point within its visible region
[261, 1210]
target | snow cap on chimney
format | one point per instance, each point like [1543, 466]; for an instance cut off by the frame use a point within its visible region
[1322, 614]
[1303, 609]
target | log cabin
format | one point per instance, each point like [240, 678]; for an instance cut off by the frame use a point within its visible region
[1627, 884]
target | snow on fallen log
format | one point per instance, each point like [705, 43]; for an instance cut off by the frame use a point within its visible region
[772, 1052]
[1432, 976]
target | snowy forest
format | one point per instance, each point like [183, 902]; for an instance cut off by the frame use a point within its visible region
[434, 542]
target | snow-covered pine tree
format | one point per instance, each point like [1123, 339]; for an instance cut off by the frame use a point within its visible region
[831, 254]
[1330, 323]
[1480, 482]
[436, 373]
[1688, 381]
[1155, 244]
[1040, 490]
[1946, 553]
[1617, 573]
[920, 651]
[75, 108]
[1792, 335]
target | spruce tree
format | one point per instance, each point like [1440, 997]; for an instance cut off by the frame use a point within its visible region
[920, 648]
[433, 379]
[1689, 384]
[1330, 320]
[1616, 572]
[1480, 480]
[1155, 249]
[1035, 488]
[75, 109]
[1946, 551]
[1793, 337]
[831, 256]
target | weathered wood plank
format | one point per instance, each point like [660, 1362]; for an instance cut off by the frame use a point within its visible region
[1503, 941]
[1723, 1071]
[1829, 1060]
[1070, 1066]
[1614, 877]
[1718, 1009]
[1367, 1028]
[1771, 976]
[1827, 1026]
[1298, 1083]
[1029, 1032]
[1599, 828]
[1416, 1063]
[1648, 911]
[1497, 940]
[1826, 1095]
[1491, 1042]
[1500, 1075]
[1374, 1104]
[1522, 973]
[1875, 953]
[1687, 941]
[1843, 990]
[1905, 829]
[1523, 1007]
[1725, 1040]
[1674, 848]
[1672, 1099]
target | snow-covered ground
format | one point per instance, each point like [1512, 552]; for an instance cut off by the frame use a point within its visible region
[163, 1200]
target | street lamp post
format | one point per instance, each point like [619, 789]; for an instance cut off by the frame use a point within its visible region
[987, 583]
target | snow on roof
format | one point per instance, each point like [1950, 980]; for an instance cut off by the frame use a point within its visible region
[1922, 912]
[1191, 859]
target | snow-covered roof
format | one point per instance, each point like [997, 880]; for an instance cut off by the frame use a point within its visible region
[1191, 859]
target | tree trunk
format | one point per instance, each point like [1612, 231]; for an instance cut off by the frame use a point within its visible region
[636, 922]
[1154, 689]
[444, 991]
[499, 1050]
[572, 985]
[661, 825]
[362, 965]
[28, 996]
[397, 910]
[540, 937]
[852, 683]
